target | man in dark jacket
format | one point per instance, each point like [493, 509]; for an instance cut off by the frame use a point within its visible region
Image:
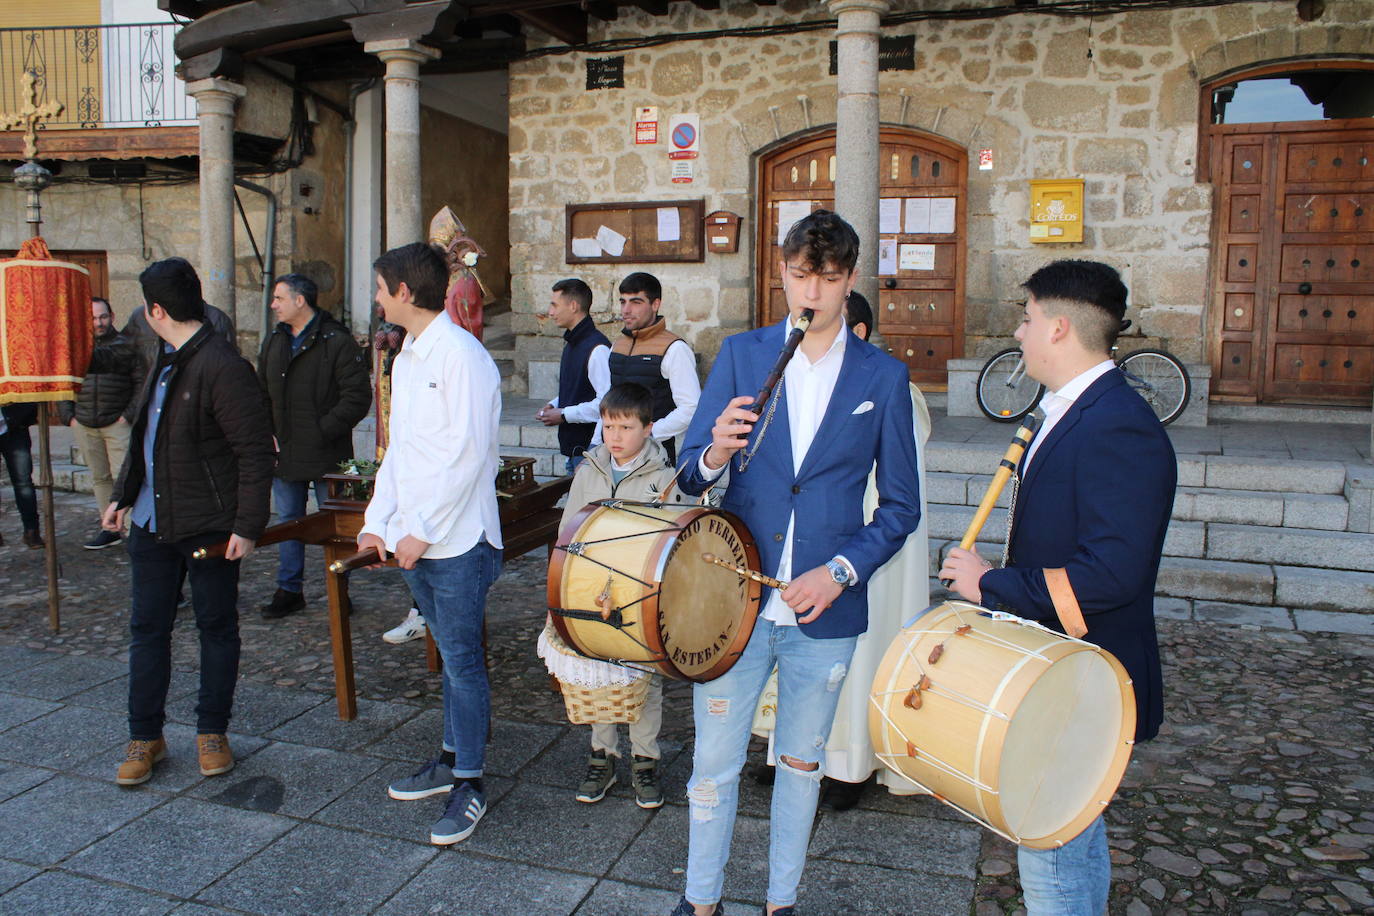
[150, 345]
[316, 378]
[104, 409]
[198, 472]
[17, 447]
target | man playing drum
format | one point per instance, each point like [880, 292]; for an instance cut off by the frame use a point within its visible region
[1088, 523]
[798, 472]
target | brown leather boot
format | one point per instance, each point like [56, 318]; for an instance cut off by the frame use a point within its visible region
[139, 758]
[215, 756]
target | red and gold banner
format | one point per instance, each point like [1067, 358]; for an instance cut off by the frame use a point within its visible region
[46, 329]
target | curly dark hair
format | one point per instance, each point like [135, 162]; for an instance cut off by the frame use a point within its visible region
[822, 239]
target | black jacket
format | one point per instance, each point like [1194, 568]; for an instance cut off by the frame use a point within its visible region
[150, 345]
[318, 394]
[112, 380]
[213, 453]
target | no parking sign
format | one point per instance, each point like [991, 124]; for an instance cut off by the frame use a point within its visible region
[684, 136]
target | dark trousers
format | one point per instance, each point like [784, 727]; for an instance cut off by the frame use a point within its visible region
[17, 447]
[157, 572]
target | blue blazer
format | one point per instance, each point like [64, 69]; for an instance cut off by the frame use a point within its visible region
[1096, 501]
[827, 494]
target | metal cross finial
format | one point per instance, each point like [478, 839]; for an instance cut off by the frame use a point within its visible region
[30, 115]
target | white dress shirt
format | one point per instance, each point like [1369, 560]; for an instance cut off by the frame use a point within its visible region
[599, 374]
[438, 479]
[1057, 403]
[807, 388]
[679, 367]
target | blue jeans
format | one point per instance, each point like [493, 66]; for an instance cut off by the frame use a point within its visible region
[1073, 880]
[452, 595]
[570, 466]
[810, 674]
[17, 447]
[289, 497]
[156, 572]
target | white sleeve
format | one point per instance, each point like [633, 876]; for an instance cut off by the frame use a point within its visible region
[706, 470]
[679, 367]
[599, 372]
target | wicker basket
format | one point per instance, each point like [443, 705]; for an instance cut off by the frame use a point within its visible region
[618, 704]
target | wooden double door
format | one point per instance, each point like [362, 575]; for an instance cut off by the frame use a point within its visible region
[1294, 299]
[920, 305]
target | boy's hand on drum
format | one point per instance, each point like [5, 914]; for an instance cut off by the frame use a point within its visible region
[962, 569]
[811, 593]
[731, 432]
[408, 550]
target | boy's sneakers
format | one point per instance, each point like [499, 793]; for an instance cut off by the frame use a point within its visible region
[434, 778]
[464, 809]
[644, 777]
[413, 627]
[599, 779]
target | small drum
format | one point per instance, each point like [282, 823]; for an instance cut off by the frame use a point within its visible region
[627, 584]
[1023, 729]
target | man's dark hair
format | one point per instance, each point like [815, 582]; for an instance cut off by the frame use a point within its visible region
[641, 282]
[172, 283]
[105, 302]
[823, 240]
[577, 291]
[300, 285]
[628, 399]
[858, 311]
[421, 267]
[1090, 294]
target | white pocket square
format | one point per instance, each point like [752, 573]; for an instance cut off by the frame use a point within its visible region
[865, 407]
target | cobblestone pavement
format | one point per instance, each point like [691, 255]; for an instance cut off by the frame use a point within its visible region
[1257, 798]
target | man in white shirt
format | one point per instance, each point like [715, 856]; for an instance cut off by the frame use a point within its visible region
[434, 508]
[583, 372]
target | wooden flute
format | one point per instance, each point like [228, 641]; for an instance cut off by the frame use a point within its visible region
[789, 349]
[1005, 468]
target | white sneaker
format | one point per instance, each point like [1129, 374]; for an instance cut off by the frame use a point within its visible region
[413, 627]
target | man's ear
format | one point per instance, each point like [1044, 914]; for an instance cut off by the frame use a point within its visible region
[1062, 329]
[403, 292]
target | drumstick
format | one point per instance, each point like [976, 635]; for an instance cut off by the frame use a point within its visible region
[357, 561]
[744, 572]
[1005, 468]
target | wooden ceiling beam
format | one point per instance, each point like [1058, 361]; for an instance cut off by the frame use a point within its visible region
[567, 24]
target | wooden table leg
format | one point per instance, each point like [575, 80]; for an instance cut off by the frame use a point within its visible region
[340, 633]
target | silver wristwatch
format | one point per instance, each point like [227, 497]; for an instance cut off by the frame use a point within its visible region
[839, 573]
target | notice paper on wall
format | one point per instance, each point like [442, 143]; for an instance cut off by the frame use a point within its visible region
[586, 248]
[611, 242]
[887, 257]
[669, 228]
[890, 215]
[789, 211]
[942, 214]
[917, 257]
[917, 215]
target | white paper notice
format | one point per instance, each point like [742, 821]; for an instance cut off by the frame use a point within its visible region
[917, 257]
[917, 214]
[887, 257]
[611, 242]
[789, 211]
[586, 248]
[669, 229]
[942, 214]
[890, 215]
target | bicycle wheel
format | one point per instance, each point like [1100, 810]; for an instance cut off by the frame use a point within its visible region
[1005, 392]
[1161, 380]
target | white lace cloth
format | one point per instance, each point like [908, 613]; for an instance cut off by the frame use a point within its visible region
[571, 668]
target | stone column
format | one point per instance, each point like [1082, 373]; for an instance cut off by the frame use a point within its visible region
[215, 102]
[404, 221]
[856, 130]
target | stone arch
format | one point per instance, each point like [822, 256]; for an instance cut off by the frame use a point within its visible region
[1310, 42]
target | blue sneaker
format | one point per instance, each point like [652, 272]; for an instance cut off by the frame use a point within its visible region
[464, 809]
[684, 908]
[434, 778]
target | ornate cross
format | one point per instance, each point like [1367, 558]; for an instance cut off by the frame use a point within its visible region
[30, 115]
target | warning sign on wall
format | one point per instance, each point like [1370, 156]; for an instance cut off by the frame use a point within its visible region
[684, 171]
[646, 125]
[684, 136]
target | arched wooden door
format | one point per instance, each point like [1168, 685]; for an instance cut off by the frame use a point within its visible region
[923, 180]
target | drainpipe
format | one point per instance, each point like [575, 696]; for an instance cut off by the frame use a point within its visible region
[269, 266]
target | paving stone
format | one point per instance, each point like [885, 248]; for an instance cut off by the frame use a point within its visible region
[1192, 470]
[16, 710]
[63, 737]
[12, 874]
[947, 488]
[113, 695]
[140, 853]
[1274, 618]
[61, 677]
[846, 889]
[925, 806]
[315, 869]
[1322, 589]
[1173, 609]
[1241, 583]
[1172, 862]
[1280, 475]
[14, 659]
[285, 778]
[85, 811]
[179, 770]
[1331, 513]
[1334, 622]
[504, 888]
[1185, 539]
[893, 841]
[15, 778]
[321, 726]
[366, 806]
[662, 848]
[1241, 507]
[200, 909]
[1294, 547]
[258, 708]
[615, 898]
[57, 892]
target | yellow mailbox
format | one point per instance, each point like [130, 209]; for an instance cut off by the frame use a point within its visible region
[1056, 210]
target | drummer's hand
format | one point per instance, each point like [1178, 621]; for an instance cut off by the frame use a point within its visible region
[409, 550]
[811, 593]
[731, 431]
[238, 547]
[963, 568]
[376, 543]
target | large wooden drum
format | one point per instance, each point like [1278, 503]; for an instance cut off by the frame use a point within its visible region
[627, 584]
[1023, 729]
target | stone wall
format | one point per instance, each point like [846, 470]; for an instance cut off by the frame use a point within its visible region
[1113, 100]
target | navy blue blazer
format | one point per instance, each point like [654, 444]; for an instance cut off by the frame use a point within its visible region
[827, 494]
[1096, 501]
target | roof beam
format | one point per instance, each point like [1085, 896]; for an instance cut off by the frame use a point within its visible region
[604, 10]
[567, 24]
[653, 7]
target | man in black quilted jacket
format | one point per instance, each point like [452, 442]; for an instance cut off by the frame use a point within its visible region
[198, 474]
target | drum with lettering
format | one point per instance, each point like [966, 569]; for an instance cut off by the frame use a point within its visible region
[1023, 729]
[627, 584]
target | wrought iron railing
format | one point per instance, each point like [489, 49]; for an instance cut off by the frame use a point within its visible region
[104, 75]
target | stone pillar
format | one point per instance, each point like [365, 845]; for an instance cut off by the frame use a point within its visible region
[215, 102]
[404, 221]
[856, 130]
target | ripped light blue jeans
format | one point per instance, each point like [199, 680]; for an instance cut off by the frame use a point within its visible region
[810, 674]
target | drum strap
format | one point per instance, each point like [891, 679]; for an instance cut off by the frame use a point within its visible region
[1065, 603]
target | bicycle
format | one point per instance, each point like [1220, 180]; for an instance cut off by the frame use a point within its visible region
[1006, 393]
